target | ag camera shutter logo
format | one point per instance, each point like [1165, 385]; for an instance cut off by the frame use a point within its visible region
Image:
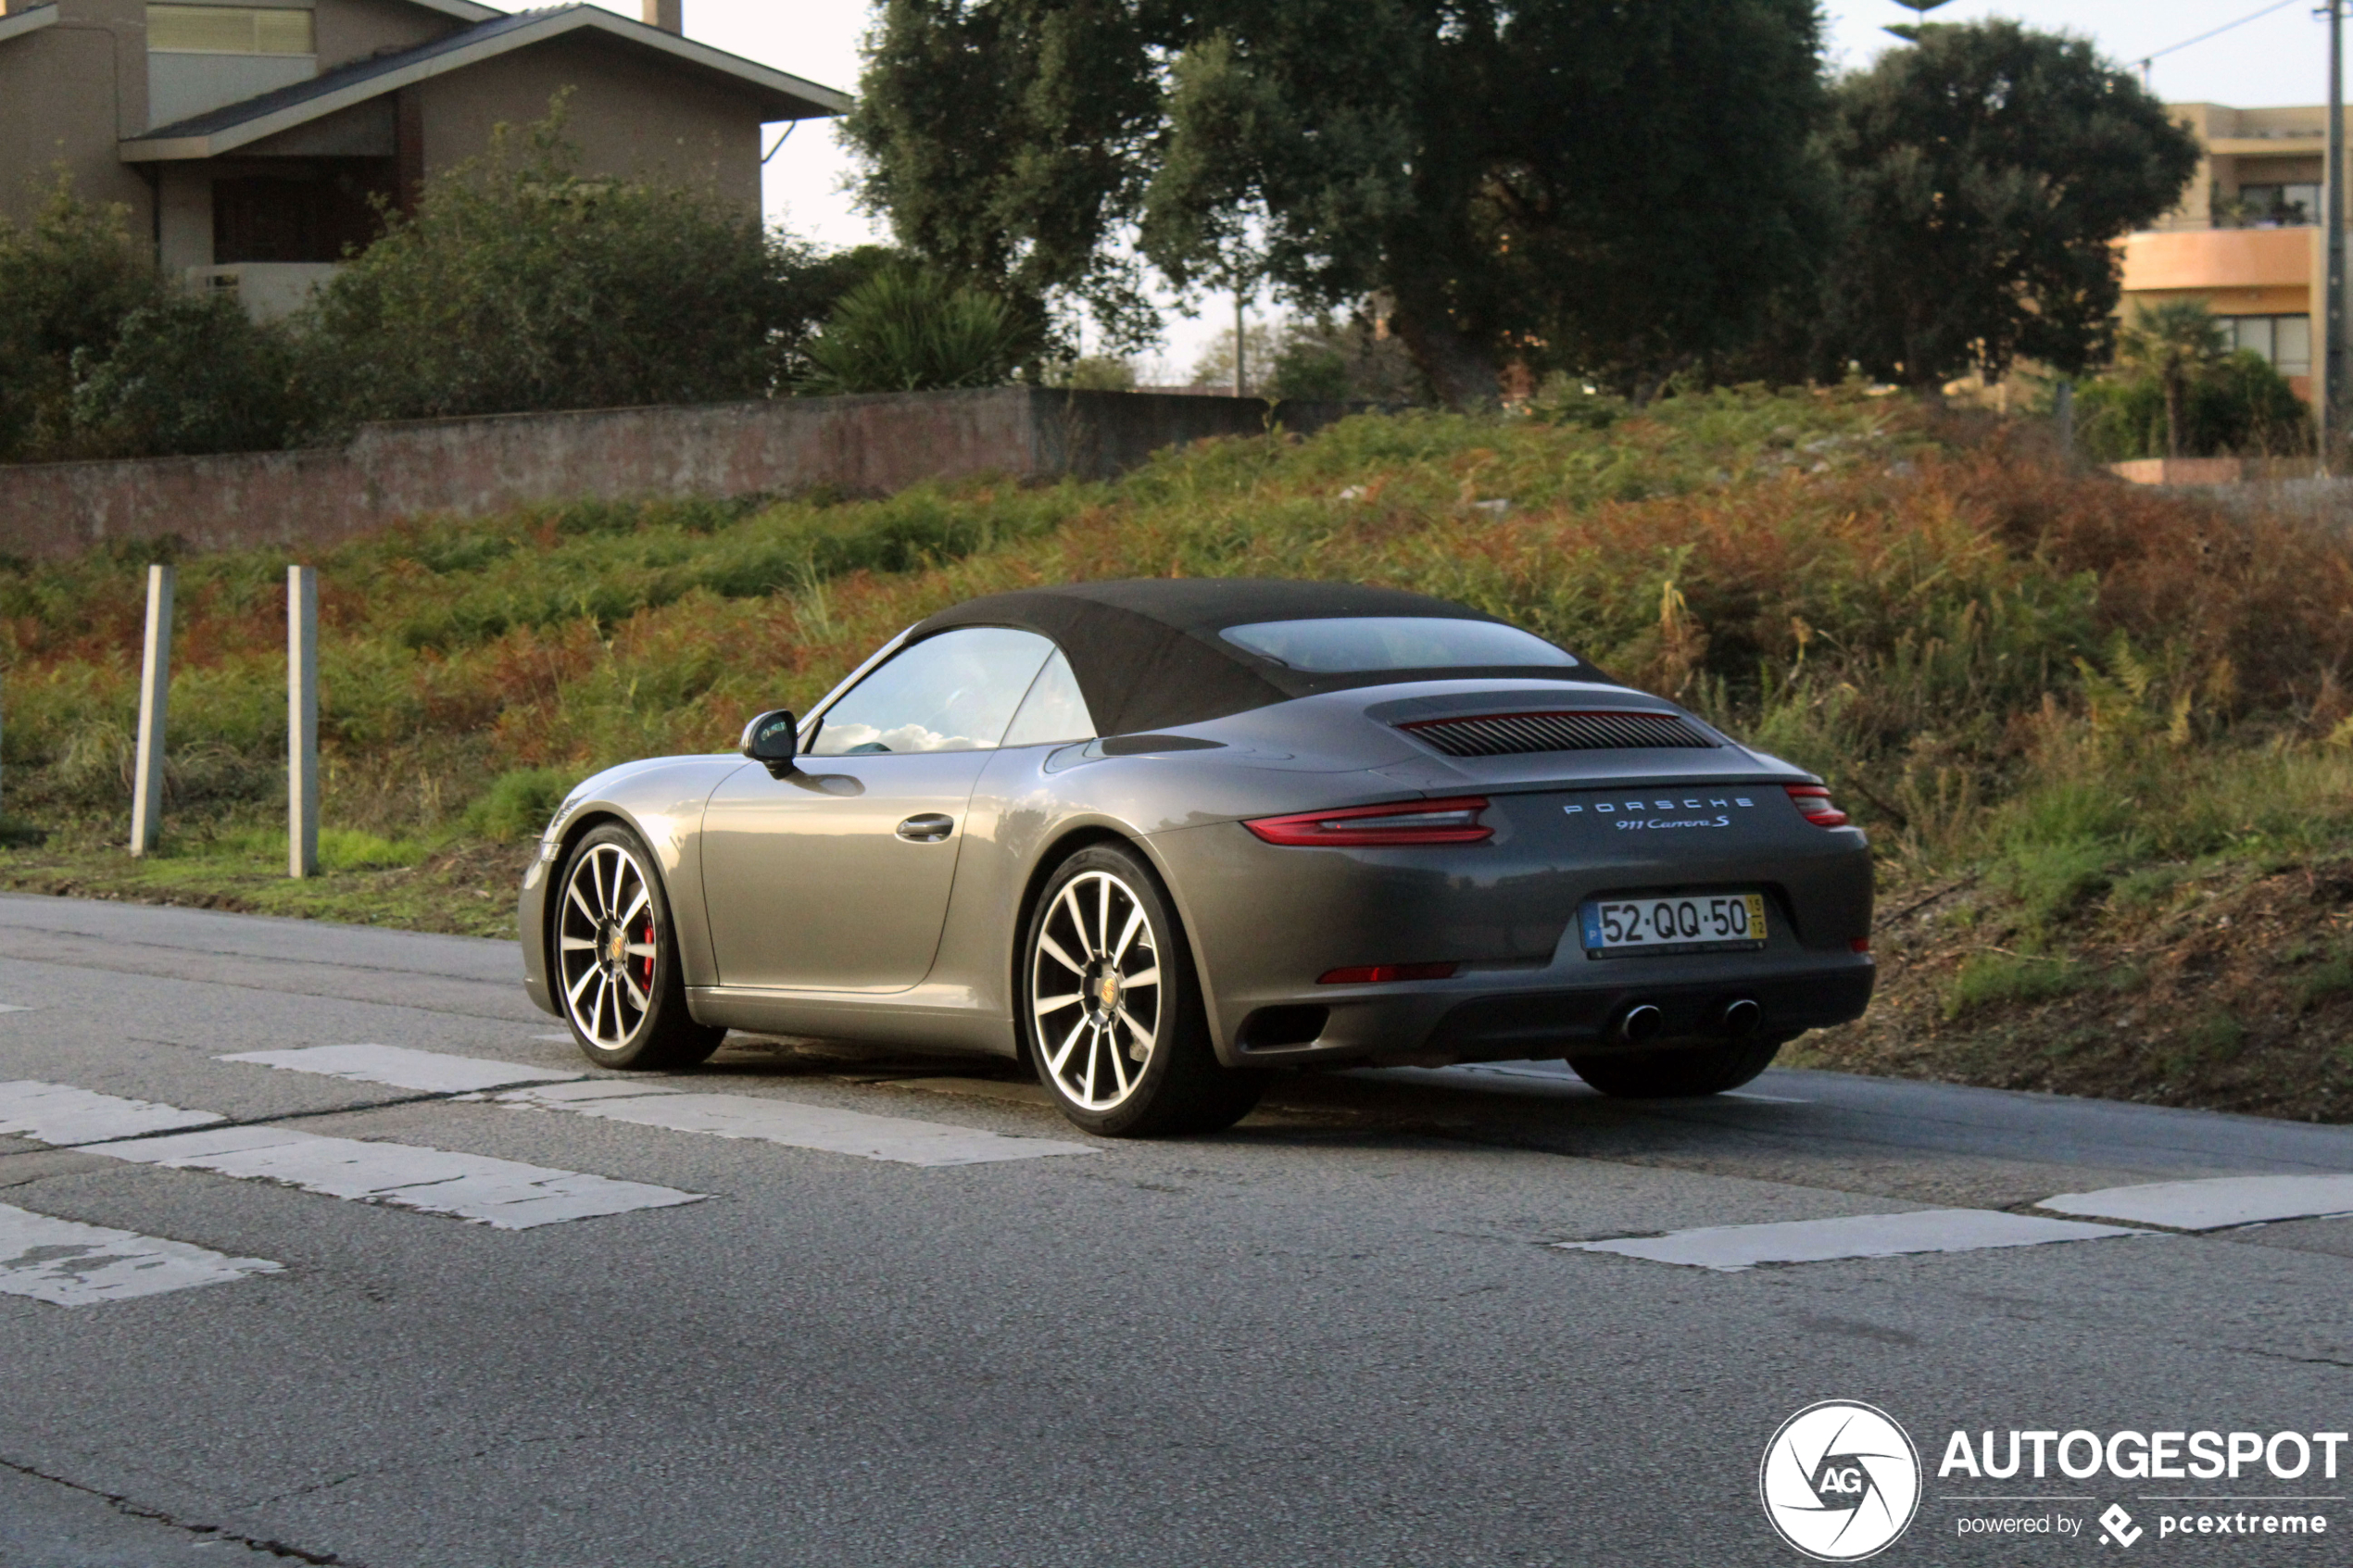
[1841, 1481]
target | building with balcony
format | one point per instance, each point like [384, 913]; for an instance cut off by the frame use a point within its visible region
[2245, 239]
[252, 142]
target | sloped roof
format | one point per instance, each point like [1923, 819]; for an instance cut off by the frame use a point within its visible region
[236, 125]
[32, 19]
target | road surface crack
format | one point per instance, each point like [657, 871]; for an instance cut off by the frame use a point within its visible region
[124, 1506]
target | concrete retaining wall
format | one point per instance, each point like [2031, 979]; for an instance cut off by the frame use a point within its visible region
[391, 472]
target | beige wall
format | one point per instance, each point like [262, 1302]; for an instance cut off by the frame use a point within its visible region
[77, 86]
[354, 30]
[629, 117]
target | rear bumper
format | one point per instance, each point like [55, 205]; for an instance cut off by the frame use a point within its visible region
[1549, 1013]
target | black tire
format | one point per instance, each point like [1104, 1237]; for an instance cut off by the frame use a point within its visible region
[612, 947]
[1104, 917]
[1676, 1074]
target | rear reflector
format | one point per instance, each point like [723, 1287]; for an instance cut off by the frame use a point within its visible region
[1406, 821]
[1814, 802]
[1381, 973]
[1859, 944]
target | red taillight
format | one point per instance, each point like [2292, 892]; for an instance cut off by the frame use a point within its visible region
[1406, 821]
[1381, 973]
[1814, 802]
[1859, 944]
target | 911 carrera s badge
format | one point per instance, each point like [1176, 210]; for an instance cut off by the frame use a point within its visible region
[1637, 816]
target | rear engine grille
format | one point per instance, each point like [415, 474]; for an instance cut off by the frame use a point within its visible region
[1506, 734]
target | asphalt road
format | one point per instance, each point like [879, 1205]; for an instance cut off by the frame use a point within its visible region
[892, 1311]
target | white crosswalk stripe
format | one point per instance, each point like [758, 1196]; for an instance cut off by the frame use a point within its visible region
[2214, 1203]
[60, 1114]
[899, 1139]
[1728, 1249]
[67, 1263]
[428, 1072]
[503, 1193]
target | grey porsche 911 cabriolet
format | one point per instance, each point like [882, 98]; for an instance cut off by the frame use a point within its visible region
[1163, 837]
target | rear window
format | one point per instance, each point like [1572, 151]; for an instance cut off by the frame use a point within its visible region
[1351, 645]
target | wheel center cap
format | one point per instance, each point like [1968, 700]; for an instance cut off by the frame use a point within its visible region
[614, 947]
[1107, 990]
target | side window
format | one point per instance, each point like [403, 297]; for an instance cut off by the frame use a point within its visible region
[949, 693]
[1055, 710]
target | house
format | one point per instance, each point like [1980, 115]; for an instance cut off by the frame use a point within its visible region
[251, 141]
[2245, 239]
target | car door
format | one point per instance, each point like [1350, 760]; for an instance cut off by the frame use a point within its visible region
[835, 877]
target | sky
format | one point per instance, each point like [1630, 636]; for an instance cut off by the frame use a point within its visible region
[2279, 59]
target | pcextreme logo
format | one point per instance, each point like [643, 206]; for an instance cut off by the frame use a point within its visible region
[1841, 1481]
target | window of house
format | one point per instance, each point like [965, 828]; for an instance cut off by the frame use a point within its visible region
[2279, 205]
[230, 30]
[2285, 341]
[310, 211]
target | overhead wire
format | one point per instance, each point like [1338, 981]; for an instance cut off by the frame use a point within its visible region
[2153, 56]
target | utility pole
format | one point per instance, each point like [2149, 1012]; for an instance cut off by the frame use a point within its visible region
[2332, 312]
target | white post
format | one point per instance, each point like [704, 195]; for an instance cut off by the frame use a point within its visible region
[154, 682]
[302, 722]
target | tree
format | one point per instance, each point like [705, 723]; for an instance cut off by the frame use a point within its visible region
[521, 285]
[1009, 139]
[1983, 174]
[2172, 344]
[1620, 187]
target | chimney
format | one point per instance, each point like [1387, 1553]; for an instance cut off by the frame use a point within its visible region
[667, 15]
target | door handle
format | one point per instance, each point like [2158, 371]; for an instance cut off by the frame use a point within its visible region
[928, 828]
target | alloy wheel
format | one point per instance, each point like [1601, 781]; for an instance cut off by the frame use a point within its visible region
[605, 945]
[1095, 990]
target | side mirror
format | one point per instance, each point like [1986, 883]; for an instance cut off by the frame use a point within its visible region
[770, 739]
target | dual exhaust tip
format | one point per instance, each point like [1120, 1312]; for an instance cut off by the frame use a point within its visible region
[1736, 1020]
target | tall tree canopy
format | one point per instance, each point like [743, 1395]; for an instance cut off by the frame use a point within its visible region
[1612, 184]
[1983, 174]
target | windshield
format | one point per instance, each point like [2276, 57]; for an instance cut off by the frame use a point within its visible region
[1354, 644]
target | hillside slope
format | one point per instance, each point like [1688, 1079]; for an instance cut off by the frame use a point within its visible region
[2097, 732]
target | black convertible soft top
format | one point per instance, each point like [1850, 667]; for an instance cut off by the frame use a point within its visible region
[1148, 657]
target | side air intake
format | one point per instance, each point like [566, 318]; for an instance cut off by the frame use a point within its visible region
[1506, 734]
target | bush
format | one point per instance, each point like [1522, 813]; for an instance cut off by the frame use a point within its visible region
[67, 284]
[2240, 405]
[910, 329]
[519, 285]
[188, 374]
[519, 804]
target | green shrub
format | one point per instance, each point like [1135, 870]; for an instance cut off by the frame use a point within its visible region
[189, 374]
[2238, 405]
[518, 285]
[67, 283]
[1992, 979]
[520, 802]
[910, 329]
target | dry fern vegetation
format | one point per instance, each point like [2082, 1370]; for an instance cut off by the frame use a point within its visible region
[2100, 735]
